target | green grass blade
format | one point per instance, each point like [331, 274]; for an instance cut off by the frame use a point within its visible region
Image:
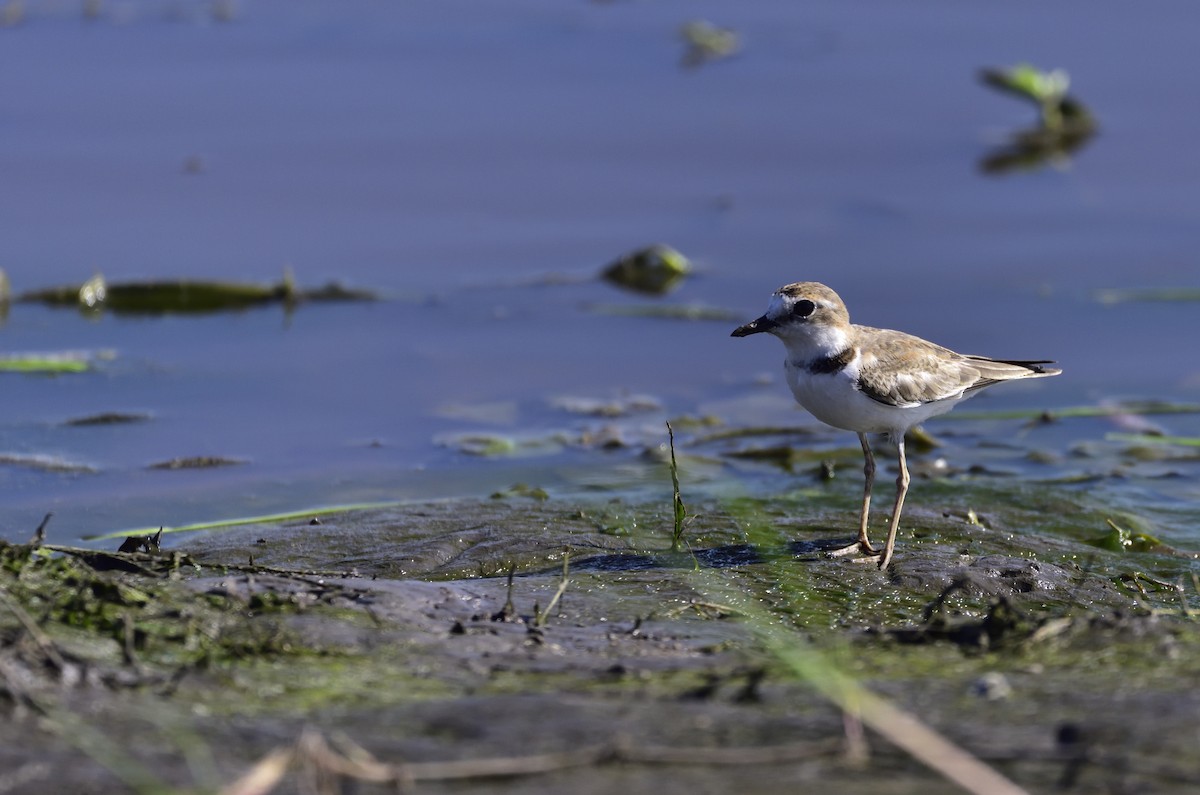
[220, 524]
[1145, 438]
[50, 364]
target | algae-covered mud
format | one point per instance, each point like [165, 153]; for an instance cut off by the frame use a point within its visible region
[525, 645]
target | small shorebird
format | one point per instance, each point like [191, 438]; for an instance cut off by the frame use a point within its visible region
[871, 380]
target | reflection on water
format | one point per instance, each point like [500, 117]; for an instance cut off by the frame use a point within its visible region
[479, 170]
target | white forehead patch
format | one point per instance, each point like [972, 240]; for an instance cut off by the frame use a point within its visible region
[779, 306]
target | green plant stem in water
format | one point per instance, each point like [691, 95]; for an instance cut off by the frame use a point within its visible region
[679, 510]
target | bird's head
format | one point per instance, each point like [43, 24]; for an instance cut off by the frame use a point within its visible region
[805, 315]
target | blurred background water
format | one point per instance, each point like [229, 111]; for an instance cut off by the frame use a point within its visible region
[478, 163]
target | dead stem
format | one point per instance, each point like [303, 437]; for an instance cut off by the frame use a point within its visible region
[321, 760]
[562, 588]
[43, 641]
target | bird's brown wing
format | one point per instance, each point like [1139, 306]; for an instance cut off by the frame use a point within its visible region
[899, 369]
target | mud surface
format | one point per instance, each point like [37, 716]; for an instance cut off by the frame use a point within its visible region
[389, 646]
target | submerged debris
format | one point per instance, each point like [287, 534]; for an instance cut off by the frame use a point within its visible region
[151, 543]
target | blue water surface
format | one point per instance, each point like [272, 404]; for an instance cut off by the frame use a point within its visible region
[477, 165]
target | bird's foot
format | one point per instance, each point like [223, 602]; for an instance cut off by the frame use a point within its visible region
[857, 548]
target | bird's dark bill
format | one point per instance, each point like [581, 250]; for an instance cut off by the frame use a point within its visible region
[754, 327]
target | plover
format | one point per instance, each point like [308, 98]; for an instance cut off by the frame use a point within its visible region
[871, 380]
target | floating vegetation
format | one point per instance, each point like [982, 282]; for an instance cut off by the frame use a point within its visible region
[617, 407]
[196, 462]
[500, 412]
[45, 463]
[43, 364]
[1064, 123]
[654, 270]
[1142, 438]
[749, 432]
[12, 14]
[666, 311]
[56, 363]
[186, 296]
[488, 445]
[494, 445]
[1135, 408]
[1168, 294]
[1046, 89]
[921, 439]
[536, 493]
[689, 421]
[607, 437]
[107, 418]
[782, 455]
[706, 42]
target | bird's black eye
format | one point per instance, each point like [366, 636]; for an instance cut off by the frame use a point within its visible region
[803, 308]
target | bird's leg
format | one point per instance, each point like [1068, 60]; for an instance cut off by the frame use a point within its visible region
[869, 474]
[901, 490]
[863, 544]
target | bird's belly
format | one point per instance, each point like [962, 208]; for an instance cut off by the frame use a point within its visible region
[834, 400]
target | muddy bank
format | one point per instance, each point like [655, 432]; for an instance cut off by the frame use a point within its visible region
[390, 646]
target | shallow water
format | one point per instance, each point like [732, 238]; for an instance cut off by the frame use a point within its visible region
[479, 165]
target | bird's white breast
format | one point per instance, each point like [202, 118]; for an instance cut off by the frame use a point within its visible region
[834, 399]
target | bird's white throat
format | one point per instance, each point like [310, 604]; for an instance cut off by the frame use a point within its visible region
[807, 342]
